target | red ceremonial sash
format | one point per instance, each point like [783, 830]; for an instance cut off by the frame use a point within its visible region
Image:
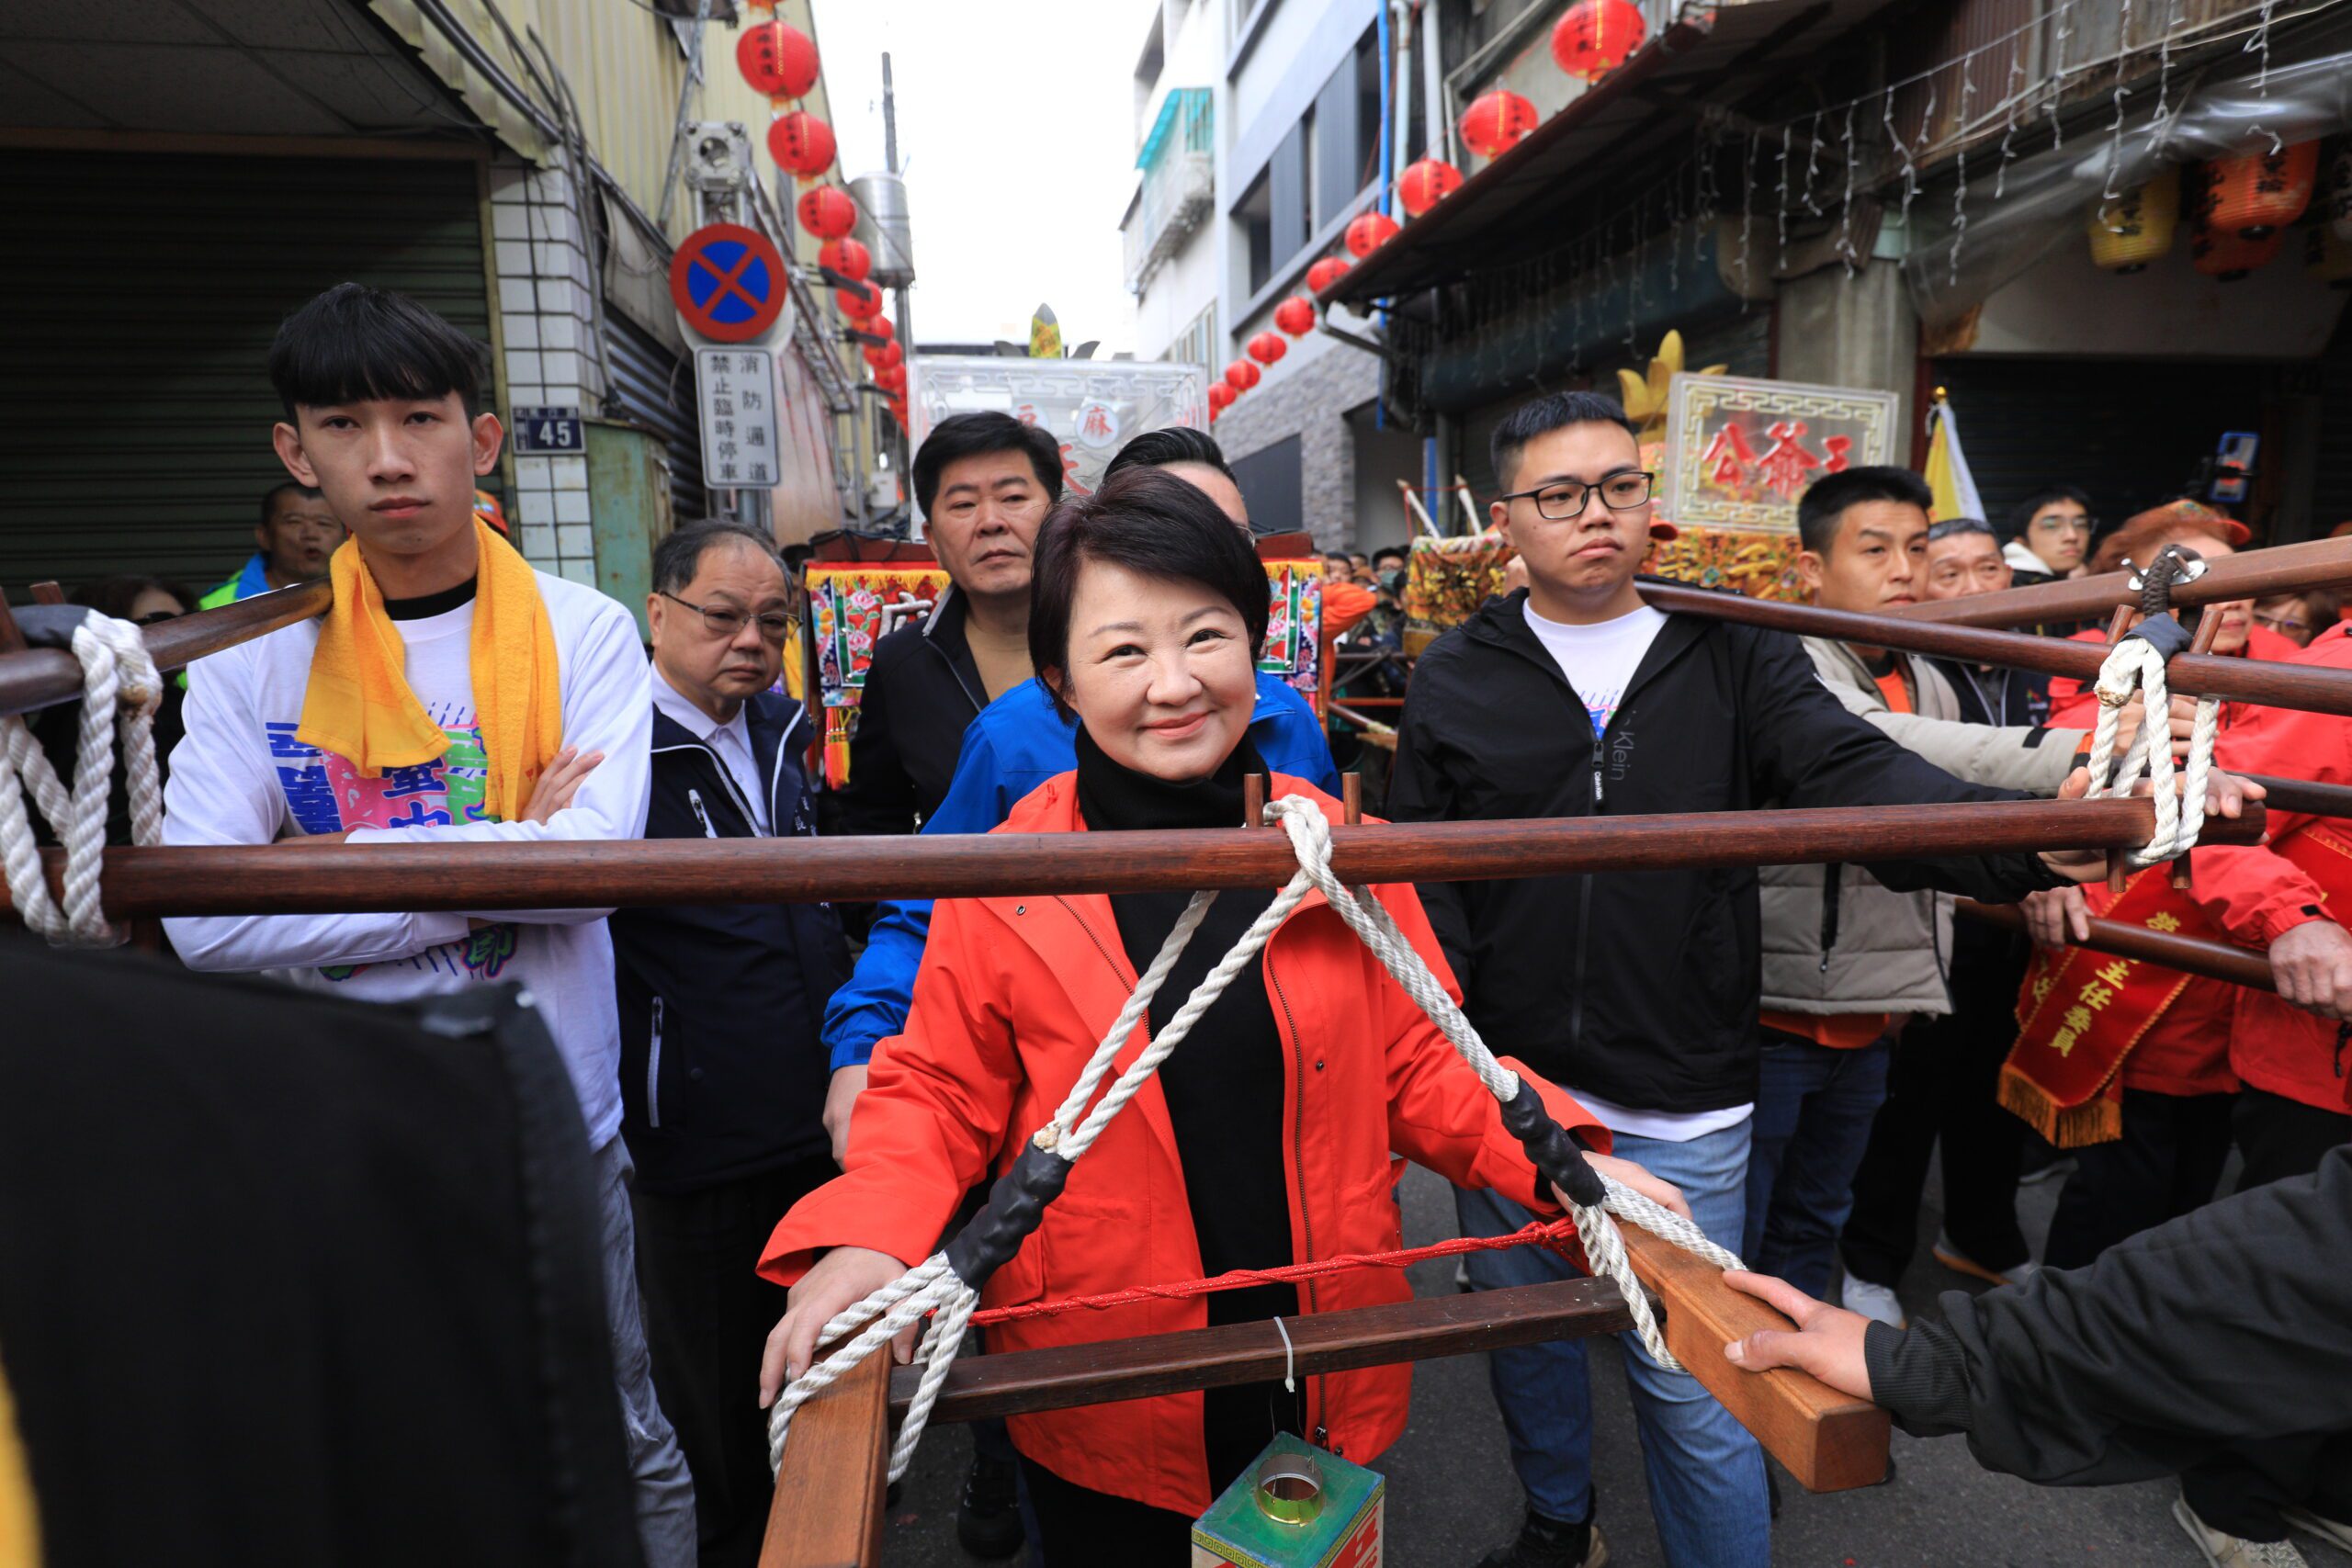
[2081, 1012]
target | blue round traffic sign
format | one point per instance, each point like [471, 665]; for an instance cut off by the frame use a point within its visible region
[728, 282]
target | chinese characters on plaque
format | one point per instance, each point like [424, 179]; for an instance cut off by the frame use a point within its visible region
[1740, 452]
[739, 425]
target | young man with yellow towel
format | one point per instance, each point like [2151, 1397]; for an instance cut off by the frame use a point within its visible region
[450, 692]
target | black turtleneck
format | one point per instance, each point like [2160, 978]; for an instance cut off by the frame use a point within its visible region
[426, 605]
[1223, 1084]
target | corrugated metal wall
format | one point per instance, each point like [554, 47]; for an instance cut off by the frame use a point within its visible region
[657, 388]
[138, 293]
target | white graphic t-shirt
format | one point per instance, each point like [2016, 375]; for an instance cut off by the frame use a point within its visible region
[1598, 659]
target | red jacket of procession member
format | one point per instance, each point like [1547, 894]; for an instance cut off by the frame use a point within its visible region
[1013, 995]
[2258, 894]
[2187, 1050]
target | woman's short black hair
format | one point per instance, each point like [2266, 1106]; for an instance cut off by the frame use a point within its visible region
[355, 343]
[977, 434]
[1154, 524]
[1176, 444]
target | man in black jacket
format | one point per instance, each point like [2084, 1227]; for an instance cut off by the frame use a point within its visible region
[723, 1075]
[2215, 1339]
[1636, 992]
[985, 482]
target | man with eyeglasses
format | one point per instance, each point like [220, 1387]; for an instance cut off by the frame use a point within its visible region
[1573, 698]
[723, 1068]
[2050, 536]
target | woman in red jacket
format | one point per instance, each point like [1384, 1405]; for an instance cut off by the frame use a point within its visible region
[1264, 1139]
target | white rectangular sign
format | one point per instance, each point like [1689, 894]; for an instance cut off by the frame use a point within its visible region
[738, 392]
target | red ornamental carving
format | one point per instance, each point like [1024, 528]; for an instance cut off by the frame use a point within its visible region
[1495, 122]
[1727, 458]
[1267, 347]
[1593, 36]
[827, 212]
[777, 59]
[1426, 184]
[1241, 375]
[1295, 315]
[1220, 397]
[858, 304]
[2253, 196]
[1327, 272]
[845, 256]
[801, 143]
[1369, 232]
[1786, 462]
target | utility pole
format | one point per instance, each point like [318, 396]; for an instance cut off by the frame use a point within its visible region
[902, 305]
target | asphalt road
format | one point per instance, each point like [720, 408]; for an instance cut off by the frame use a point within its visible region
[1452, 1494]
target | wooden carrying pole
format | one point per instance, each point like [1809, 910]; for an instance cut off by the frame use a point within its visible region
[299, 878]
[2259, 574]
[2311, 687]
[40, 676]
[2214, 960]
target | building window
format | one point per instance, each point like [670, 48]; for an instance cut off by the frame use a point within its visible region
[1254, 213]
[1197, 344]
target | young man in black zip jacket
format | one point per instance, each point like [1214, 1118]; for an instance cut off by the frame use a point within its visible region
[1637, 991]
[985, 482]
[724, 1074]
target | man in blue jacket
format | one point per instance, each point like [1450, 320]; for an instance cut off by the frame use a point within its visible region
[1013, 745]
[722, 1071]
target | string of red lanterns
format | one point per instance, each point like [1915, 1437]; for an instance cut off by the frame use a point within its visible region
[847, 257]
[801, 143]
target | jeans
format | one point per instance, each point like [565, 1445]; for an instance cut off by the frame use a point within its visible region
[1814, 1111]
[1705, 1474]
[665, 1495]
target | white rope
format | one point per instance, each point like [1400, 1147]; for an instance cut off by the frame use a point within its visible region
[2136, 664]
[932, 1287]
[119, 690]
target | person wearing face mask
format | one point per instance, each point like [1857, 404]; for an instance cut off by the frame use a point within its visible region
[1264, 1140]
[985, 481]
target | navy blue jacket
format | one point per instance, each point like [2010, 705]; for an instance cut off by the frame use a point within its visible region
[723, 1073]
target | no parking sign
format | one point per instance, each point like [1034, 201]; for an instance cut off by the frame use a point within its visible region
[728, 282]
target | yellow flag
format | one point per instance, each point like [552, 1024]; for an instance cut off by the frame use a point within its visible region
[1947, 476]
[19, 1525]
[1045, 334]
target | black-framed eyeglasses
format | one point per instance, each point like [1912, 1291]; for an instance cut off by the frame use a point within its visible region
[1563, 498]
[775, 626]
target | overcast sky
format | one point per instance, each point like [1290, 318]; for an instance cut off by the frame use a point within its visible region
[1015, 134]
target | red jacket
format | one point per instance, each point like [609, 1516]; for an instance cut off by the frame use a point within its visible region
[1013, 995]
[2258, 894]
[2187, 1051]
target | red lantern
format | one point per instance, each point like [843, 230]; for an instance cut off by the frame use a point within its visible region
[1426, 184]
[1241, 376]
[1295, 315]
[1369, 232]
[858, 304]
[1267, 347]
[827, 212]
[777, 59]
[1593, 36]
[898, 412]
[884, 357]
[1327, 272]
[894, 380]
[845, 256]
[2254, 197]
[879, 327]
[1495, 122]
[801, 143]
[2227, 257]
[1220, 397]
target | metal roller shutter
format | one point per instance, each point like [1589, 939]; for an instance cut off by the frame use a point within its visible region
[140, 294]
[656, 389]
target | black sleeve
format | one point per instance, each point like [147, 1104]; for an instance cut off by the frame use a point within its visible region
[879, 796]
[1421, 790]
[1807, 749]
[2223, 1327]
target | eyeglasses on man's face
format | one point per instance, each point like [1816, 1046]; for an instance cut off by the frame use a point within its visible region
[724, 621]
[2064, 522]
[1562, 499]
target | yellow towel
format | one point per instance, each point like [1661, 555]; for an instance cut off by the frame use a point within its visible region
[19, 1515]
[359, 704]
